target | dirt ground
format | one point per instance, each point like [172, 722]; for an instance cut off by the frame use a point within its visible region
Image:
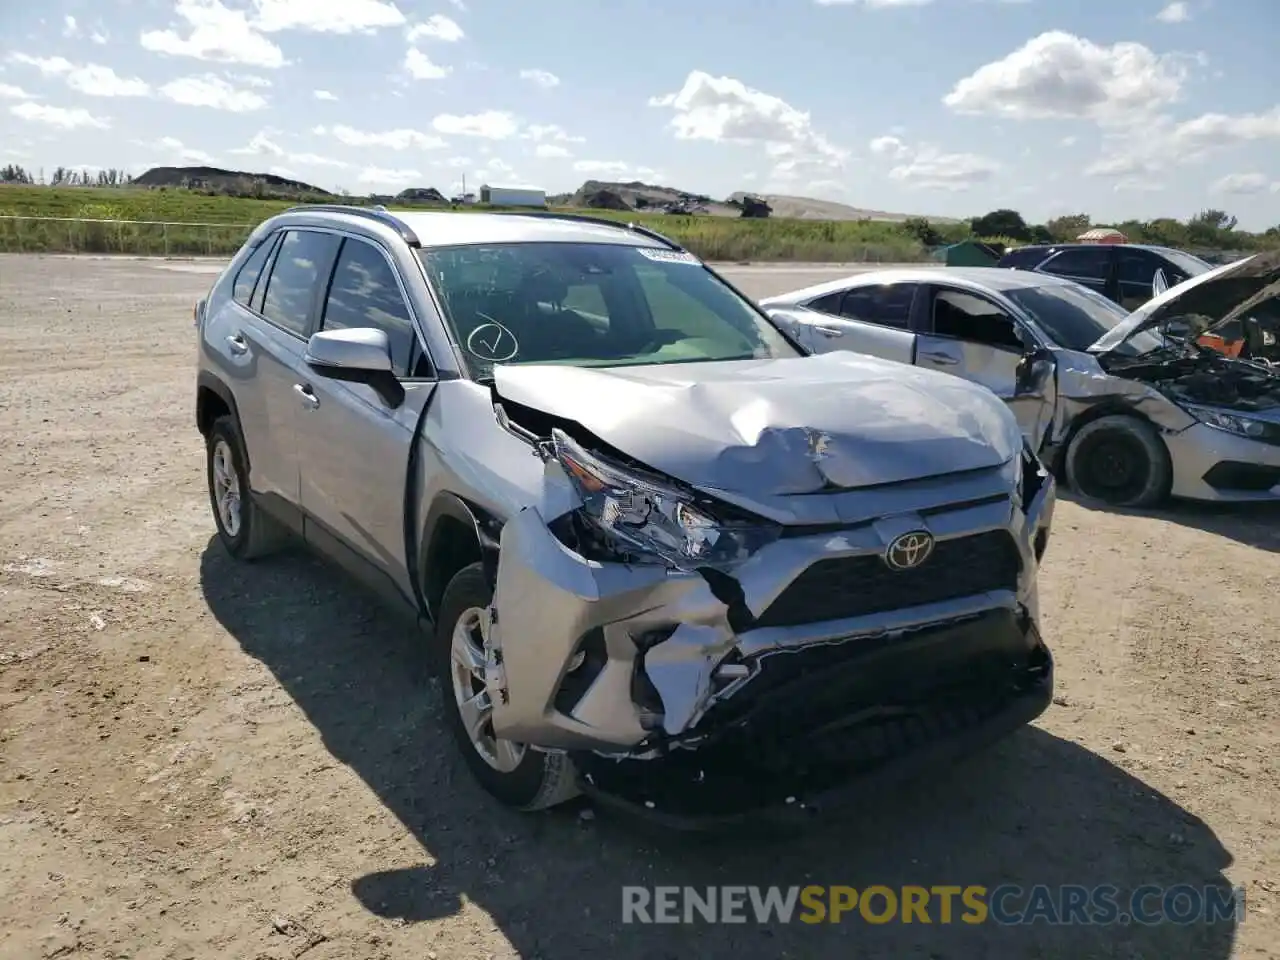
[203, 760]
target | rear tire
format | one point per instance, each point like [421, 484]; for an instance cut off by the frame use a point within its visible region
[244, 528]
[517, 775]
[1119, 460]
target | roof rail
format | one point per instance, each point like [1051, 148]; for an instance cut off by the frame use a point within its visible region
[379, 213]
[606, 221]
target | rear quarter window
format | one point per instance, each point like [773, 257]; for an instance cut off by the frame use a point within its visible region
[1023, 259]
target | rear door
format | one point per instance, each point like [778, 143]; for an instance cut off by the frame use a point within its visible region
[354, 443]
[1089, 264]
[972, 336]
[874, 319]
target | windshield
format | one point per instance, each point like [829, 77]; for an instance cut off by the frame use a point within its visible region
[1191, 266]
[1075, 317]
[592, 304]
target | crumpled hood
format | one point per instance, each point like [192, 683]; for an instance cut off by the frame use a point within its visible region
[1220, 295]
[775, 427]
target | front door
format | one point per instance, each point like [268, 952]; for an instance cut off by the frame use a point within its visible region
[354, 444]
[971, 336]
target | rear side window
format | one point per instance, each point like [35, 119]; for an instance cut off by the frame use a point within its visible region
[305, 256]
[1024, 258]
[886, 304]
[1092, 263]
[364, 293]
[247, 278]
[1138, 266]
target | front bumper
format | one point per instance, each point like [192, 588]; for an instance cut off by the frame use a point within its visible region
[642, 669]
[820, 737]
[1211, 464]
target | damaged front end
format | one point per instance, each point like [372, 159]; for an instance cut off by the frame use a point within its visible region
[700, 662]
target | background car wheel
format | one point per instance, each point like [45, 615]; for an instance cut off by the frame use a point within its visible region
[515, 774]
[1119, 460]
[244, 529]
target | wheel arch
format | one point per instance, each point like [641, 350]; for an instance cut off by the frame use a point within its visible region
[455, 533]
[1113, 407]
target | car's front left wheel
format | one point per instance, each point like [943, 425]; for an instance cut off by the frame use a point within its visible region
[514, 773]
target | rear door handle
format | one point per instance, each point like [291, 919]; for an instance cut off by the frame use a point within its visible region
[830, 331]
[309, 399]
[238, 344]
[942, 359]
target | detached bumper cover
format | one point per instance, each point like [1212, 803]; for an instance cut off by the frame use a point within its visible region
[817, 724]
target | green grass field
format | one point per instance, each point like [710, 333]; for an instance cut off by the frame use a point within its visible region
[199, 224]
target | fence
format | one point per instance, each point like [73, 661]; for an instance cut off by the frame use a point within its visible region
[139, 237]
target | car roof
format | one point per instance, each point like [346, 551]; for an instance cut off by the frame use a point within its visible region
[999, 279]
[435, 228]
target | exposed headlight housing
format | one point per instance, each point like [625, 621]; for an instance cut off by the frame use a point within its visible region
[1231, 422]
[638, 517]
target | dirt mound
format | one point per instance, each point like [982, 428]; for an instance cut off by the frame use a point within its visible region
[230, 181]
[421, 195]
[604, 200]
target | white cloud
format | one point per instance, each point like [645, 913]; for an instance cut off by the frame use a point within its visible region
[1212, 131]
[90, 79]
[65, 118]
[213, 92]
[1243, 183]
[171, 148]
[874, 4]
[401, 139]
[261, 145]
[99, 36]
[1175, 13]
[421, 67]
[1058, 75]
[550, 151]
[931, 169]
[377, 176]
[549, 131]
[540, 78]
[317, 160]
[616, 169]
[9, 92]
[323, 95]
[326, 16]
[69, 26]
[889, 146]
[249, 80]
[215, 33]
[436, 27]
[491, 125]
[1155, 147]
[725, 110]
[1121, 165]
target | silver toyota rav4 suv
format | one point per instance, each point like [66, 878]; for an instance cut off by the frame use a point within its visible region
[661, 556]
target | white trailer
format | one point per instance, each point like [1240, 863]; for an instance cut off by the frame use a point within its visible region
[513, 196]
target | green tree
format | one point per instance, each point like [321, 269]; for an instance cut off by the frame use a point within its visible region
[922, 230]
[1001, 223]
[1066, 228]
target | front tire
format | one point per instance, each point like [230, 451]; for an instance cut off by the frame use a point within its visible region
[1119, 460]
[517, 775]
[244, 528]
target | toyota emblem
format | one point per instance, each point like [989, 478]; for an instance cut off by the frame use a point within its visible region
[909, 550]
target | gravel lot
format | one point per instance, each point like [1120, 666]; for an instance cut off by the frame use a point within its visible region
[196, 761]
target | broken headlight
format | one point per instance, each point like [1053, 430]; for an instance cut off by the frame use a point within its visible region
[641, 518]
[1235, 423]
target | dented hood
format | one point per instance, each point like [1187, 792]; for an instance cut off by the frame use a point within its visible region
[773, 427]
[1218, 296]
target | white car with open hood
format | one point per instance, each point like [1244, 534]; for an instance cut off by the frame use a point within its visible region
[1129, 407]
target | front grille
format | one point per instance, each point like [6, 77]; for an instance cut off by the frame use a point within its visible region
[858, 586]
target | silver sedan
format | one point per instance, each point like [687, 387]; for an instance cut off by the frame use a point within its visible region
[1128, 407]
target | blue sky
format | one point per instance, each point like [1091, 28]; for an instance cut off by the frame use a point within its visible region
[947, 107]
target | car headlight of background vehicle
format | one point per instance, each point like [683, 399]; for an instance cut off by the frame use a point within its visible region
[639, 518]
[1240, 425]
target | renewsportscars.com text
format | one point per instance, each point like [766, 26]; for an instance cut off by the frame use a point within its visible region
[1008, 904]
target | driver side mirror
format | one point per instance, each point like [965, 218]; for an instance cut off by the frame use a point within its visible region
[356, 355]
[1160, 284]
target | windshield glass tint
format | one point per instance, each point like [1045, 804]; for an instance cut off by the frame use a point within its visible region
[592, 305]
[1075, 317]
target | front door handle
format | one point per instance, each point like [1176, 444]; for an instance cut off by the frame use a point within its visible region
[238, 344]
[942, 359]
[830, 331]
[309, 399]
